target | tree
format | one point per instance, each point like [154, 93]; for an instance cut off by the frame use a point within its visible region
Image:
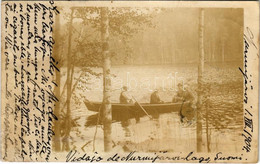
[200, 80]
[66, 145]
[107, 110]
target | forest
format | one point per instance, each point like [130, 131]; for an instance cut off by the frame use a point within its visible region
[166, 36]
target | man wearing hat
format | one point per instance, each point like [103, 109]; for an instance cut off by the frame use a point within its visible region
[183, 95]
[187, 97]
[125, 98]
[155, 98]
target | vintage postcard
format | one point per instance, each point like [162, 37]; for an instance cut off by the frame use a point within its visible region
[132, 81]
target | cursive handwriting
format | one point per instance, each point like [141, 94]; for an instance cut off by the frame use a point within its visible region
[75, 156]
[248, 86]
[28, 82]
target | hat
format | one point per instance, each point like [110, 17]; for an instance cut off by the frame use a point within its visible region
[180, 85]
[125, 88]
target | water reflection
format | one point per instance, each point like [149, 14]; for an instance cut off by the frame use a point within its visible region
[125, 125]
[168, 133]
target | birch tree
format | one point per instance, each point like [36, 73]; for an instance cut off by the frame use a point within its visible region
[107, 110]
[200, 80]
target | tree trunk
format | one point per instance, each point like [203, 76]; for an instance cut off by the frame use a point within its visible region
[67, 120]
[200, 80]
[213, 50]
[56, 127]
[207, 124]
[107, 114]
[209, 52]
[223, 50]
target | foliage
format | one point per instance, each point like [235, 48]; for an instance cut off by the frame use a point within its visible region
[123, 24]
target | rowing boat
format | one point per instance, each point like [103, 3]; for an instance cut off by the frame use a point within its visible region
[150, 108]
[123, 112]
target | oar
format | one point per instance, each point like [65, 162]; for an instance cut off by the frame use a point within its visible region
[181, 110]
[142, 108]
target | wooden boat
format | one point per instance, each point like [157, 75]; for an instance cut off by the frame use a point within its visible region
[122, 112]
[133, 108]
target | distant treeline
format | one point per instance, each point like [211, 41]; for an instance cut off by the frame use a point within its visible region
[171, 38]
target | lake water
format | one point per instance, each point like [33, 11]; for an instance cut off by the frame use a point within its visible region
[224, 86]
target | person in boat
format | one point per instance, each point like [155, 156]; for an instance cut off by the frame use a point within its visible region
[125, 97]
[155, 98]
[185, 96]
